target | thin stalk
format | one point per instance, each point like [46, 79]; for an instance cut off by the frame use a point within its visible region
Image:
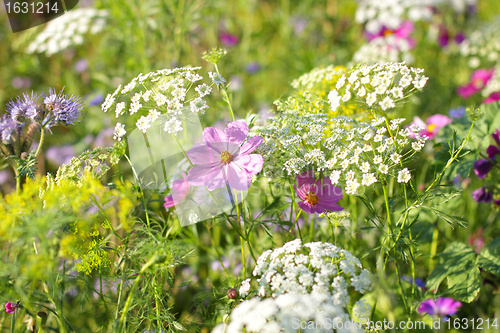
[13, 323]
[225, 97]
[243, 261]
[434, 244]
[401, 286]
[216, 249]
[40, 144]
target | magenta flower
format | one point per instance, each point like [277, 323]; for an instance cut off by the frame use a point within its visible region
[404, 31]
[228, 40]
[10, 307]
[432, 125]
[223, 158]
[494, 97]
[315, 197]
[180, 191]
[477, 82]
[442, 307]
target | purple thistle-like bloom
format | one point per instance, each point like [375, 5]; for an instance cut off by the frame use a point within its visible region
[7, 127]
[441, 307]
[63, 109]
[482, 195]
[23, 108]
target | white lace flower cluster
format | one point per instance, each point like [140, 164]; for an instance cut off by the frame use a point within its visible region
[311, 268]
[289, 138]
[318, 75]
[68, 30]
[378, 86]
[483, 45]
[164, 92]
[384, 49]
[286, 313]
[392, 13]
[365, 154]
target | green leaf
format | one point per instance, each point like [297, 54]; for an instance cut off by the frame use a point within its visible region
[465, 286]
[489, 259]
[456, 259]
[452, 220]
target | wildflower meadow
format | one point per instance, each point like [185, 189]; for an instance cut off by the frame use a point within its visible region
[257, 166]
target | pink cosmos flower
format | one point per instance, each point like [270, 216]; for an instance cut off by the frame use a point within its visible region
[494, 97]
[403, 32]
[10, 307]
[180, 191]
[432, 125]
[442, 307]
[223, 158]
[477, 82]
[315, 197]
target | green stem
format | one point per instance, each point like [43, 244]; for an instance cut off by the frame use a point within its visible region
[155, 259]
[40, 144]
[215, 247]
[225, 97]
[434, 244]
[13, 323]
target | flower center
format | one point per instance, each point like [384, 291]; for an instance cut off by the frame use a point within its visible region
[477, 83]
[431, 128]
[226, 157]
[388, 32]
[312, 198]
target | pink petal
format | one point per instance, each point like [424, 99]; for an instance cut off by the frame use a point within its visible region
[215, 179]
[169, 202]
[238, 178]
[405, 30]
[483, 75]
[467, 91]
[439, 120]
[251, 144]
[212, 134]
[251, 163]
[306, 177]
[202, 154]
[197, 174]
[236, 132]
[306, 208]
[331, 206]
[300, 193]
[494, 97]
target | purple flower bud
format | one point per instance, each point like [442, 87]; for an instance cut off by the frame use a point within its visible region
[482, 168]
[481, 195]
[10, 307]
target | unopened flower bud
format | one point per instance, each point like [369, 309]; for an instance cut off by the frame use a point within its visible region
[232, 293]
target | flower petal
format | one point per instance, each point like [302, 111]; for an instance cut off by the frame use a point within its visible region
[212, 134]
[238, 178]
[236, 132]
[198, 173]
[306, 208]
[215, 179]
[203, 154]
[251, 163]
[251, 144]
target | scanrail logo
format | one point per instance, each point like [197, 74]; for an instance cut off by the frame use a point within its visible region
[26, 14]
